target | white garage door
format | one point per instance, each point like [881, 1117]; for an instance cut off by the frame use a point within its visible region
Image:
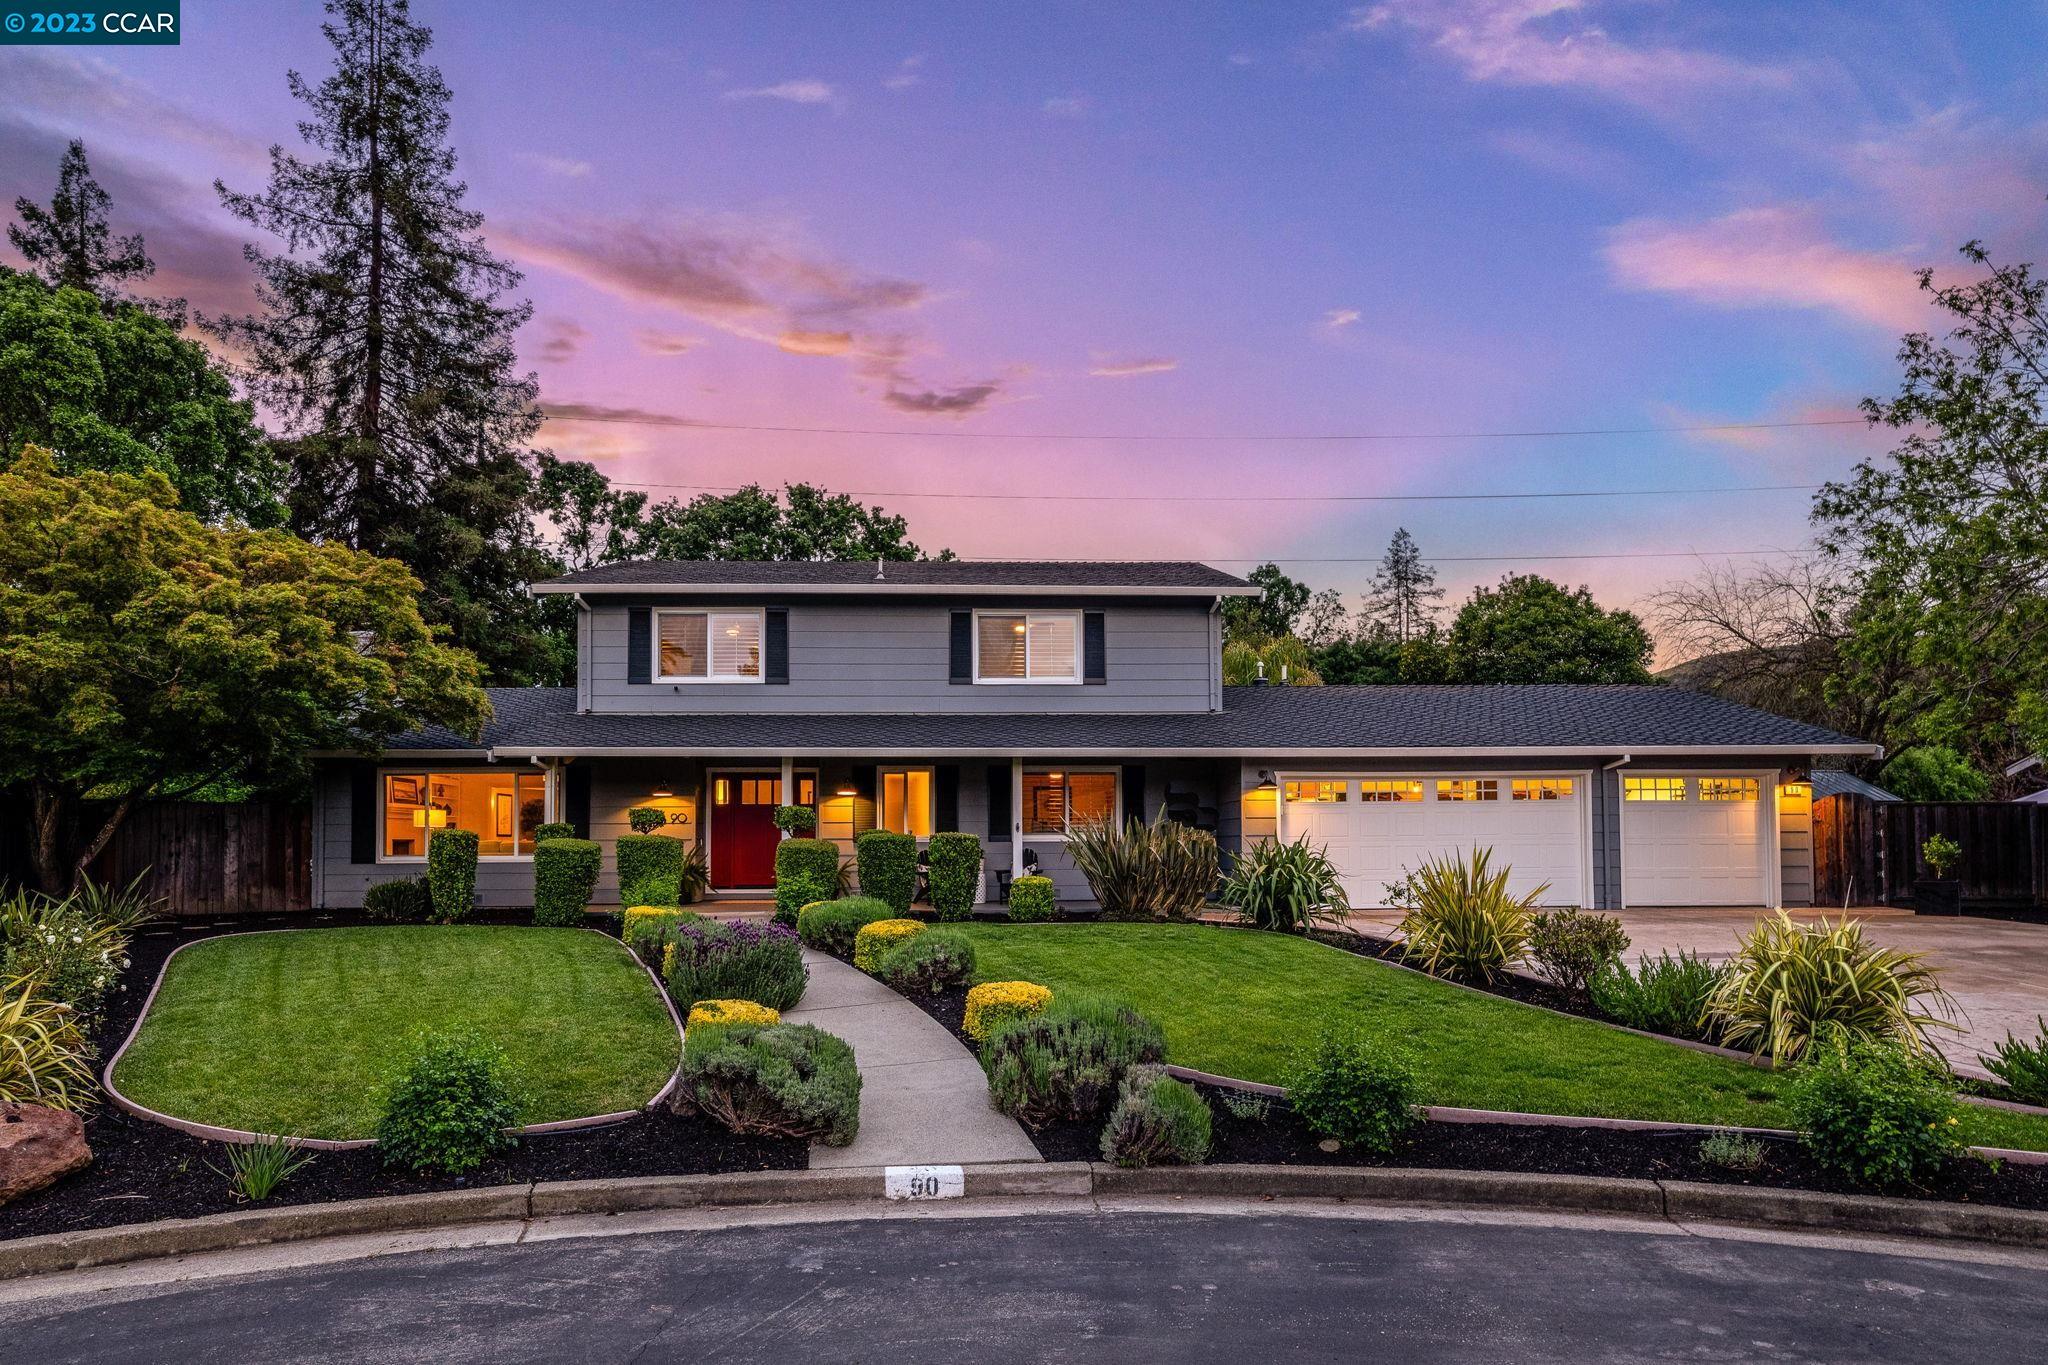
[1692, 840]
[1376, 828]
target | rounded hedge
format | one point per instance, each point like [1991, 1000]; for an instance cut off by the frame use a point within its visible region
[1033, 898]
[955, 874]
[832, 926]
[876, 941]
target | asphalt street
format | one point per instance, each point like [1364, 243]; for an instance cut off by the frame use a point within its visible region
[1082, 1286]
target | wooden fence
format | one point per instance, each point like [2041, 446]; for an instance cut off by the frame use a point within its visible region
[204, 858]
[1867, 852]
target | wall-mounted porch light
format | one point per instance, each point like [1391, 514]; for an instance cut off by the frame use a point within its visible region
[1265, 782]
[663, 789]
[846, 789]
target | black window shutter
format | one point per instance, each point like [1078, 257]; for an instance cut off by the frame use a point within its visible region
[1094, 666]
[639, 645]
[775, 664]
[1134, 791]
[999, 801]
[946, 796]
[576, 798]
[864, 786]
[963, 647]
[362, 813]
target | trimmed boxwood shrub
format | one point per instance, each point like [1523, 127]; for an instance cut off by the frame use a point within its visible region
[806, 870]
[1157, 1121]
[932, 962]
[647, 819]
[777, 1080]
[739, 960]
[1352, 1088]
[798, 820]
[955, 874]
[876, 941]
[553, 829]
[1032, 898]
[832, 926]
[451, 874]
[564, 875]
[887, 864]
[406, 900]
[449, 1109]
[650, 869]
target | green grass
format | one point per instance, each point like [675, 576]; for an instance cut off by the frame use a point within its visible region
[298, 1033]
[1240, 1003]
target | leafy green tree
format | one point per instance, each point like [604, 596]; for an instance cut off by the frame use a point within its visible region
[1948, 534]
[803, 522]
[1272, 613]
[118, 389]
[1531, 630]
[69, 243]
[385, 337]
[145, 654]
[1374, 659]
[1402, 601]
[1935, 772]
[1280, 660]
[590, 521]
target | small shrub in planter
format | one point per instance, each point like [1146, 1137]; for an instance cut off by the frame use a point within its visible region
[451, 874]
[929, 963]
[782, 1080]
[404, 900]
[1291, 888]
[1874, 1113]
[1066, 1062]
[719, 1013]
[1570, 946]
[796, 820]
[1352, 1088]
[887, 864]
[875, 941]
[553, 829]
[650, 869]
[1157, 1121]
[1787, 982]
[1664, 994]
[832, 926]
[649, 929]
[805, 870]
[647, 819]
[993, 1002]
[564, 875]
[1032, 898]
[707, 960]
[2023, 1066]
[954, 876]
[1164, 870]
[448, 1110]
[1464, 924]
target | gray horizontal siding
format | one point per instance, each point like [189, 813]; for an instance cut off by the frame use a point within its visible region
[895, 657]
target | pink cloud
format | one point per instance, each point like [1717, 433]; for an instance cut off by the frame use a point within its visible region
[1766, 257]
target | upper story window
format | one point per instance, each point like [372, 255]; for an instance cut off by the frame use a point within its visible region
[707, 646]
[1027, 647]
[502, 808]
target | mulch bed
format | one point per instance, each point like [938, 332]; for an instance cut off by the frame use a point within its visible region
[142, 1171]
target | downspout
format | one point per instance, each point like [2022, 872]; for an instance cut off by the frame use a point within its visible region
[582, 643]
[1620, 901]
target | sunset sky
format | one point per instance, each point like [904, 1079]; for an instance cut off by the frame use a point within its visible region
[963, 233]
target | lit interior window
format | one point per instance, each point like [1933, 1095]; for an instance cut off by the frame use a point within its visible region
[714, 646]
[907, 801]
[1541, 788]
[1653, 788]
[1468, 789]
[1027, 647]
[502, 808]
[1399, 789]
[1729, 789]
[1055, 802]
[1318, 793]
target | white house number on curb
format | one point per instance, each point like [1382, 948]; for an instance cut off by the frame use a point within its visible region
[923, 1182]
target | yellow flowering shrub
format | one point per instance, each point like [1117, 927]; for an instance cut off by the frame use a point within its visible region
[731, 1012]
[873, 941]
[992, 1002]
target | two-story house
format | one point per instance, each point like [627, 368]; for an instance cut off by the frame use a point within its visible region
[1014, 701]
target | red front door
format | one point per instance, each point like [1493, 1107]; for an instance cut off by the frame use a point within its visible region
[743, 833]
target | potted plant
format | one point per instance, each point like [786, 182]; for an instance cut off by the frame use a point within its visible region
[795, 821]
[1938, 895]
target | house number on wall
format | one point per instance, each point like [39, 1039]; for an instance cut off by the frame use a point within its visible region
[924, 1182]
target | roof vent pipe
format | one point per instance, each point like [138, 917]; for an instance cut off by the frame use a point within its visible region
[878, 568]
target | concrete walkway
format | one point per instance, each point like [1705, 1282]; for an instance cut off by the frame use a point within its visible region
[923, 1099]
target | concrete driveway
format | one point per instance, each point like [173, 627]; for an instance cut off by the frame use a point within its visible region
[1997, 970]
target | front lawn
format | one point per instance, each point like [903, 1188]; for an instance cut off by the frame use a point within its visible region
[297, 1032]
[1240, 1003]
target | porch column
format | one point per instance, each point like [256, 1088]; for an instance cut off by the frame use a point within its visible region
[1016, 819]
[788, 797]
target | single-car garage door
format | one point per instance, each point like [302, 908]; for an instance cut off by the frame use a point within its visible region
[1688, 839]
[1376, 828]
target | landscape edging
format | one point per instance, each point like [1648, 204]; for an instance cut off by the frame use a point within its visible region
[1679, 1201]
[243, 1136]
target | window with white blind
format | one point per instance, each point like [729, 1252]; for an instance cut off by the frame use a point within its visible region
[1027, 647]
[707, 646]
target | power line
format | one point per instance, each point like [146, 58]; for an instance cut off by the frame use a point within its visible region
[1433, 559]
[1264, 497]
[656, 419]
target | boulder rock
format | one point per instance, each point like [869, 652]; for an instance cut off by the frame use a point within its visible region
[38, 1146]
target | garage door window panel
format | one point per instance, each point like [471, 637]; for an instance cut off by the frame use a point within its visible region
[1403, 789]
[1542, 789]
[1468, 789]
[1729, 789]
[1318, 793]
[1653, 789]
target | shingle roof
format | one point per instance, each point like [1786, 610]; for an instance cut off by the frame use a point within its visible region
[900, 576]
[1255, 720]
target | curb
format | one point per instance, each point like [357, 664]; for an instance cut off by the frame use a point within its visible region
[215, 1133]
[1677, 1201]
